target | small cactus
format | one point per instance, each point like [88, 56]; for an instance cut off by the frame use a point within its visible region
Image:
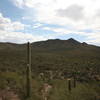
[69, 85]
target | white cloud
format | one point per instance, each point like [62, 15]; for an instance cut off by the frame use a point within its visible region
[18, 3]
[8, 32]
[8, 25]
[18, 37]
[46, 11]
[94, 38]
[37, 25]
[74, 12]
[59, 31]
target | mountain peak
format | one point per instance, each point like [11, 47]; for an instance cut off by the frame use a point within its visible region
[71, 40]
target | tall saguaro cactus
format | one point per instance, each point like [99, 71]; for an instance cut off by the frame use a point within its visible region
[28, 72]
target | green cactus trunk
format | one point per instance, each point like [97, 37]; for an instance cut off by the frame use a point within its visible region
[69, 85]
[28, 72]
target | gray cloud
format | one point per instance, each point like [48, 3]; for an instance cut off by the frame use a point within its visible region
[74, 12]
[98, 13]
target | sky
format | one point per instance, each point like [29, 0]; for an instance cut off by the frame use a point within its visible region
[39, 20]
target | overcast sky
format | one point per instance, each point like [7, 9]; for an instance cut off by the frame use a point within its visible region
[36, 20]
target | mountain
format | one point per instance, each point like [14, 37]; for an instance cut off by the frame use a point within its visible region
[53, 54]
[64, 46]
[49, 44]
[56, 43]
[70, 47]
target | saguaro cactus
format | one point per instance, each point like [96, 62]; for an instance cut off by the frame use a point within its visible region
[28, 71]
[69, 85]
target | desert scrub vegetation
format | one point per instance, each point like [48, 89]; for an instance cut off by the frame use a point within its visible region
[59, 91]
